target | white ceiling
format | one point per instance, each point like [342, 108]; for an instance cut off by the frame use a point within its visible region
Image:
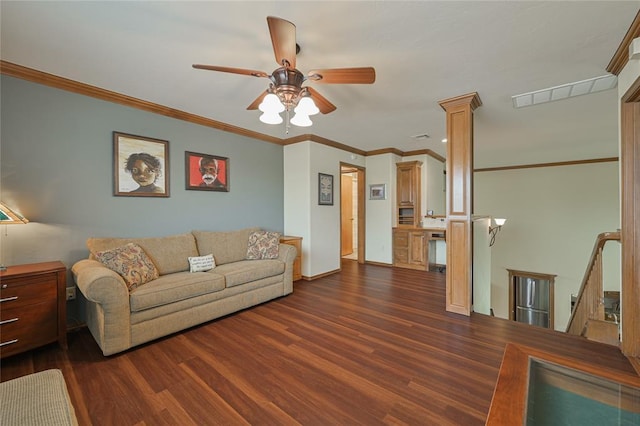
[423, 52]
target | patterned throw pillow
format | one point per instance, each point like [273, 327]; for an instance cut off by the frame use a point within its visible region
[131, 262]
[201, 263]
[263, 245]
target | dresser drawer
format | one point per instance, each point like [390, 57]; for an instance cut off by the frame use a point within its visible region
[27, 327]
[28, 290]
[32, 307]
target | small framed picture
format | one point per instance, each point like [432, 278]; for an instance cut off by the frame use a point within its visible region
[325, 189]
[378, 191]
[140, 166]
[206, 172]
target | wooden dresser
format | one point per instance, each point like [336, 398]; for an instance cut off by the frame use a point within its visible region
[33, 307]
[297, 263]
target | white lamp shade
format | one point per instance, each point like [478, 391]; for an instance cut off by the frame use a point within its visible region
[271, 118]
[499, 221]
[271, 104]
[301, 120]
[307, 107]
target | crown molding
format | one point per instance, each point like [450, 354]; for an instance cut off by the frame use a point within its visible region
[427, 152]
[51, 80]
[40, 77]
[324, 141]
[621, 57]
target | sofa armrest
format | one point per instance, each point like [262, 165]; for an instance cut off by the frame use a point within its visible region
[287, 253]
[108, 310]
[100, 284]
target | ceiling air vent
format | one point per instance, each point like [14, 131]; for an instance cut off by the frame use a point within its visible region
[569, 90]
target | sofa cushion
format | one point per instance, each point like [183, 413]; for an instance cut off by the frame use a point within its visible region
[226, 246]
[131, 262]
[245, 271]
[174, 287]
[170, 254]
[263, 245]
[201, 263]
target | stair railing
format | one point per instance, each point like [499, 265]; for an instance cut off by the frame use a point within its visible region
[589, 304]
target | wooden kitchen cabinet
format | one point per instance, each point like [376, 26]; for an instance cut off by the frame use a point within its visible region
[410, 248]
[32, 307]
[408, 178]
[297, 263]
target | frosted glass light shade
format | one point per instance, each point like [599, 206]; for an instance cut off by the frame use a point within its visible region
[499, 221]
[271, 118]
[307, 107]
[301, 120]
[271, 104]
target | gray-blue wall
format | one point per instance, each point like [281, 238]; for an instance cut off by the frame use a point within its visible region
[57, 170]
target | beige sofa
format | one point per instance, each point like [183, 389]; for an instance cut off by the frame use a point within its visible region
[120, 319]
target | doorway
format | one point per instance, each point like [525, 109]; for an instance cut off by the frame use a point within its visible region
[352, 226]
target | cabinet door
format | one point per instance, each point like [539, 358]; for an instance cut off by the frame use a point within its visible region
[406, 186]
[418, 245]
[400, 247]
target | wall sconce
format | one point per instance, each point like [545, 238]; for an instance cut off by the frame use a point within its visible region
[9, 217]
[494, 230]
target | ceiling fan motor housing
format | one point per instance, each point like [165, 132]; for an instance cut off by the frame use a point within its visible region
[288, 85]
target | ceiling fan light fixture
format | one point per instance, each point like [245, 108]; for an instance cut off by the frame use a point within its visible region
[301, 120]
[271, 118]
[271, 105]
[285, 92]
[307, 107]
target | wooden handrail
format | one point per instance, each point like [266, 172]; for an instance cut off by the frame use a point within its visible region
[589, 304]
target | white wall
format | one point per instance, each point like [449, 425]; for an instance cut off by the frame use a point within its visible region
[318, 225]
[297, 193]
[481, 266]
[380, 214]
[434, 187]
[554, 215]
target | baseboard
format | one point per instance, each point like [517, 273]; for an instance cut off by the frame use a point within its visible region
[315, 277]
[371, 262]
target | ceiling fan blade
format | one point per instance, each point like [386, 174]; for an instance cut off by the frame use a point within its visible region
[255, 104]
[364, 75]
[321, 102]
[231, 70]
[283, 38]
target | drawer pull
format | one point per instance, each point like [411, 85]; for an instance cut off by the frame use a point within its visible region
[4, 285]
[9, 299]
[10, 342]
[9, 321]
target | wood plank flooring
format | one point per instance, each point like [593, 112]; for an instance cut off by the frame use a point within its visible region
[369, 345]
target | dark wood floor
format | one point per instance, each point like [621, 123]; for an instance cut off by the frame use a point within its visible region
[370, 345]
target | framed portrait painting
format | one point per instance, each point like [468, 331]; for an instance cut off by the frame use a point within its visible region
[206, 172]
[325, 189]
[140, 166]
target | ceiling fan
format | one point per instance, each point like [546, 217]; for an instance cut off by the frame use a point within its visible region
[285, 91]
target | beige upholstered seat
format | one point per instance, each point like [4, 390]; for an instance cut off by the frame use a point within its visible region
[39, 399]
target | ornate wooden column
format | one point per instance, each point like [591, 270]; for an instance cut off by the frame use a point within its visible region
[459, 200]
